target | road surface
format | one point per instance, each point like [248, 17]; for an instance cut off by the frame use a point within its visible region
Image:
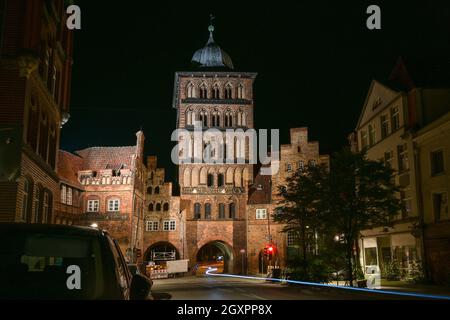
[218, 288]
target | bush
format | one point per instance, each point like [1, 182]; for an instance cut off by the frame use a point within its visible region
[317, 270]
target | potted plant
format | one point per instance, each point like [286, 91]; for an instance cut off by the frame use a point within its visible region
[361, 281]
[392, 271]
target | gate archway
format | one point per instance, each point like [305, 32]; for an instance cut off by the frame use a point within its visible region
[216, 254]
[161, 251]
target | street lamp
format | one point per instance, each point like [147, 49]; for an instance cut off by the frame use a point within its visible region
[242, 256]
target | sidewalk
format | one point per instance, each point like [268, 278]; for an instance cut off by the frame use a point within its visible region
[403, 286]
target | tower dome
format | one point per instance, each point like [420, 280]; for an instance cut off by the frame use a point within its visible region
[211, 55]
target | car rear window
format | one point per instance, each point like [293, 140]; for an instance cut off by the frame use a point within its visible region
[50, 266]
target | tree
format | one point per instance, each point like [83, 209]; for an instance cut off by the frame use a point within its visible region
[299, 208]
[359, 194]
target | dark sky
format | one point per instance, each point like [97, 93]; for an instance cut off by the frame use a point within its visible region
[315, 61]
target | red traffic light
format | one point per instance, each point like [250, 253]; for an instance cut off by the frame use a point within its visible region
[270, 249]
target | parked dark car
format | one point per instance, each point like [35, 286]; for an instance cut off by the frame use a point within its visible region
[65, 262]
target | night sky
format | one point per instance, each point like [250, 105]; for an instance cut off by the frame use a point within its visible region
[315, 61]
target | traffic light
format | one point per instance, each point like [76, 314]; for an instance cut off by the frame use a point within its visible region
[269, 251]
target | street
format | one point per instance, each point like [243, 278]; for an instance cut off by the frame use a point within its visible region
[219, 288]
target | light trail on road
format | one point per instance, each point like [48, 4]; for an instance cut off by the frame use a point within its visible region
[405, 294]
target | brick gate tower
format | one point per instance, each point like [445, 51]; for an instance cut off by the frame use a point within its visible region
[213, 194]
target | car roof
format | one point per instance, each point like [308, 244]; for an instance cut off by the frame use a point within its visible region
[52, 228]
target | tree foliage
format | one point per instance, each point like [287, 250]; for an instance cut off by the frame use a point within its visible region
[355, 194]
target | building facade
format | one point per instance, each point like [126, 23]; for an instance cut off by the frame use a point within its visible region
[164, 235]
[432, 145]
[105, 186]
[387, 128]
[35, 73]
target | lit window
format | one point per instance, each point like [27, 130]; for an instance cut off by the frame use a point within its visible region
[152, 226]
[261, 214]
[93, 205]
[113, 205]
[69, 196]
[63, 194]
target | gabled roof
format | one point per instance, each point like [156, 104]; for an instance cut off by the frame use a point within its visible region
[377, 98]
[410, 73]
[100, 158]
[68, 166]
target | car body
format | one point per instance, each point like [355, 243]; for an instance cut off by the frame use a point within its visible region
[39, 261]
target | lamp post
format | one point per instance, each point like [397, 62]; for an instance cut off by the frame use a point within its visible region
[242, 256]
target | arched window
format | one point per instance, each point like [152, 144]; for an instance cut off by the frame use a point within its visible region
[45, 207]
[158, 207]
[197, 213]
[157, 190]
[190, 90]
[33, 124]
[27, 195]
[220, 180]
[228, 118]
[150, 207]
[240, 91]
[149, 190]
[216, 92]
[204, 118]
[207, 210]
[221, 211]
[203, 91]
[232, 211]
[166, 206]
[37, 204]
[215, 119]
[210, 182]
[228, 91]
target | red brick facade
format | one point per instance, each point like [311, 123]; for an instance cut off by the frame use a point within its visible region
[107, 189]
[35, 72]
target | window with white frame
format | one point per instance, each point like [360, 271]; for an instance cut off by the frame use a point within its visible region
[69, 196]
[93, 205]
[113, 205]
[152, 225]
[63, 194]
[169, 225]
[292, 238]
[261, 214]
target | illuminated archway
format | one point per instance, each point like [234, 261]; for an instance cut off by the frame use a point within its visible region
[216, 254]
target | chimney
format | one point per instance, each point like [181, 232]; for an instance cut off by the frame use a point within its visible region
[140, 144]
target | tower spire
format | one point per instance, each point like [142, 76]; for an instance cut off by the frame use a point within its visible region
[211, 29]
